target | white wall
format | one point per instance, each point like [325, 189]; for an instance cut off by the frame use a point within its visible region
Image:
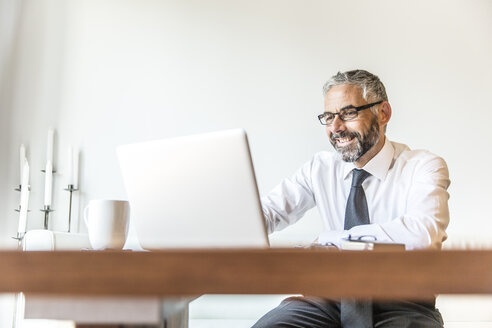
[105, 73]
[108, 72]
[9, 14]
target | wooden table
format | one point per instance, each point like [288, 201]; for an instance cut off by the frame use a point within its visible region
[378, 275]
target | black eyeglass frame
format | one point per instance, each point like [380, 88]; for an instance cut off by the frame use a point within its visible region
[362, 238]
[358, 109]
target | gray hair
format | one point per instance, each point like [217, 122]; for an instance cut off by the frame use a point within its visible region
[371, 86]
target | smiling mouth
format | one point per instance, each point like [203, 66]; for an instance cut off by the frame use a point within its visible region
[342, 142]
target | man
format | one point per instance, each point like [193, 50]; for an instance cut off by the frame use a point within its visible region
[369, 187]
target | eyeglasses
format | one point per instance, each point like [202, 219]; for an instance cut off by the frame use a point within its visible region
[346, 113]
[364, 238]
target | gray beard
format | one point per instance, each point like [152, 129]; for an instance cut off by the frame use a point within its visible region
[363, 143]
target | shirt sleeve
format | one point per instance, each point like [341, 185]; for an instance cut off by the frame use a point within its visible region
[288, 201]
[427, 215]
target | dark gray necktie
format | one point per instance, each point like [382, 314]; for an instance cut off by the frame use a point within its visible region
[356, 212]
[354, 313]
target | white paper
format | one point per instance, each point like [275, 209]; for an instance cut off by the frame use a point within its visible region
[24, 201]
[48, 184]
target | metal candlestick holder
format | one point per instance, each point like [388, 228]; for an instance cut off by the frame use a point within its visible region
[19, 188]
[20, 235]
[19, 209]
[47, 210]
[70, 188]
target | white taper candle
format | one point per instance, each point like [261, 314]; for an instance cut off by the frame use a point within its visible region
[24, 201]
[48, 183]
[70, 166]
[22, 157]
[49, 146]
[76, 168]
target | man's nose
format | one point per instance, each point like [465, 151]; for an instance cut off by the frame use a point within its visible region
[338, 124]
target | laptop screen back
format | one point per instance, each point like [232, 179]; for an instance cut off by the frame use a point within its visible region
[194, 191]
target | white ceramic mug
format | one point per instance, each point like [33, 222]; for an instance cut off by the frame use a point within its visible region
[107, 223]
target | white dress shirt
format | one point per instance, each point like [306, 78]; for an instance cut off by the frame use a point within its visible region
[406, 195]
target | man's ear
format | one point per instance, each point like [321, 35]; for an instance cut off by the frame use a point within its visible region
[384, 113]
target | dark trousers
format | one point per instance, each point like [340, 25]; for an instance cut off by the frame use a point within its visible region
[315, 312]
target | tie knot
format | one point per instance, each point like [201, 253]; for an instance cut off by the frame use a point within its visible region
[358, 176]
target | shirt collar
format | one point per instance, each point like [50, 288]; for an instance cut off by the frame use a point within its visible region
[379, 165]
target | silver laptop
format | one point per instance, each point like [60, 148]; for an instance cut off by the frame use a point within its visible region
[194, 191]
